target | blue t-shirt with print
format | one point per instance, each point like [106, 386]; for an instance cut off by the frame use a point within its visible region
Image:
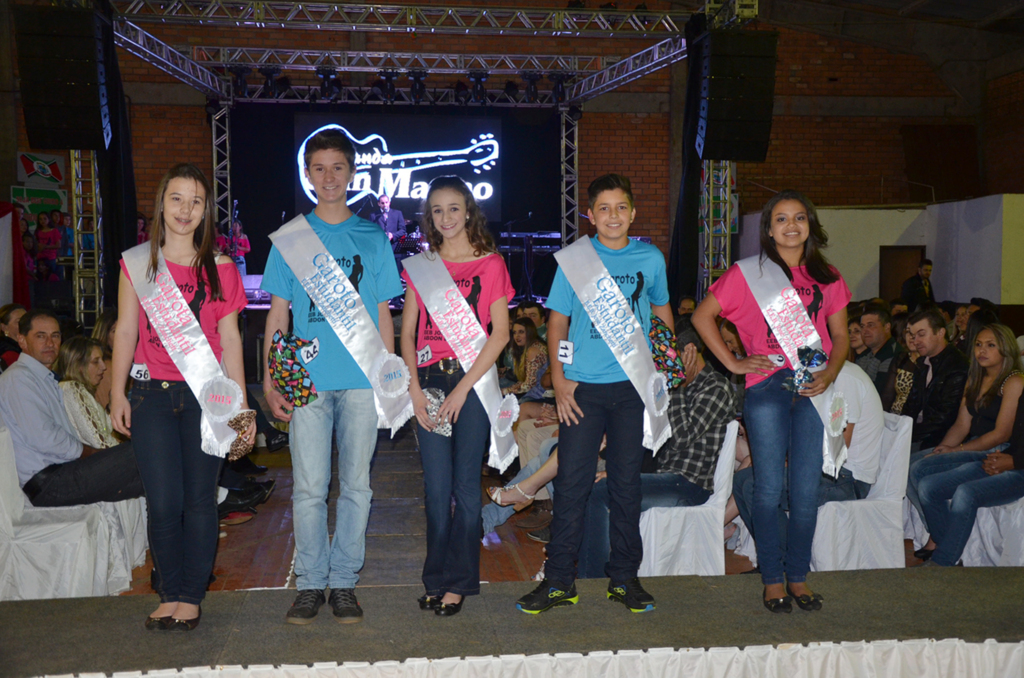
[364, 253]
[639, 270]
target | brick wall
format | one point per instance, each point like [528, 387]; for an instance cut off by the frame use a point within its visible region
[1004, 134]
[163, 136]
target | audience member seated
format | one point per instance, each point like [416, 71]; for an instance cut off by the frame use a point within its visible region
[103, 332]
[938, 380]
[684, 309]
[54, 468]
[45, 270]
[863, 436]
[535, 312]
[979, 318]
[81, 369]
[958, 338]
[986, 417]
[731, 337]
[857, 347]
[901, 369]
[917, 289]
[683, 472]
[881, 347]
[521, 491]
[897, 305]
[530, 356]
[10, 314]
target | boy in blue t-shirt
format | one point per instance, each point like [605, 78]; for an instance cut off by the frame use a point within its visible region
[344, 401]
[594, 398]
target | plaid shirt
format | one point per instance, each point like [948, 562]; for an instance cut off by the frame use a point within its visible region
[698, 414]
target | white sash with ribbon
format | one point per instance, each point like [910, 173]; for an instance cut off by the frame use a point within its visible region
[788, 319]
[339, 302]
[187, 346]
[454, 318]
[611, 314]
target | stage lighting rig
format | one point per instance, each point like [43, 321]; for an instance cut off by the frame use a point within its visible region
[329, 85]
[511, 89]
[418, 88]
[575, 113]
[576, 4]
[558, 88]
[269, 74]
[479, 92]
[531, 78]
[384, 88]
[239, 74]
[461, 91]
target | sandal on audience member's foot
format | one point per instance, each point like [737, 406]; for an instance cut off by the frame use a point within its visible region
[923, 553]
[777, 605]
[495, 494]
[808, 602]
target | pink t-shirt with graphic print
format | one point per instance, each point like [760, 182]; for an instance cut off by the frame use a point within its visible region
[150, 350]
[739, 307]
[481, 282]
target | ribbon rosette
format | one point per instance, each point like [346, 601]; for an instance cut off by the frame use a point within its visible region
[289, 375]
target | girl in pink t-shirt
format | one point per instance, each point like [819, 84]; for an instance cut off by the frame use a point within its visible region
[783, 427]
[163, 417]
[456, 229]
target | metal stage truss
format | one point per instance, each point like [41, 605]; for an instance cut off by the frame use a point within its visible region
[202, 69]
[374, 62]
[87, 246]
[464, 20]
[717, 213]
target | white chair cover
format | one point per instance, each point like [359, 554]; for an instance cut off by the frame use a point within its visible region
[64, 552]
[867, 534]
[680, 540]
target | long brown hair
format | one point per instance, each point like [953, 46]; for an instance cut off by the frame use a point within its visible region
[204, 238]
[476, 222]
[1007, 343]
[73, 359]
[519, 354]
[814, 261]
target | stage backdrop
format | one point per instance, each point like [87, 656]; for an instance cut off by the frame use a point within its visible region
[510, 157]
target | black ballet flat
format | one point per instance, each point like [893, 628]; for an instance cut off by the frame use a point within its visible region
[923, 553]
[185, 624]
[158, 623]
[809, 603]
[429, 602]
[449, 609]
[778, 605]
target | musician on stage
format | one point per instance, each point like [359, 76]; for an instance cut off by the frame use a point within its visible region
[392, 221]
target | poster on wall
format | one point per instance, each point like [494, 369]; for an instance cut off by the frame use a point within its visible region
[36, 200]
[40, 169]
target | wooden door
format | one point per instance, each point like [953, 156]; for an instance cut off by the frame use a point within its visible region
[896, 263]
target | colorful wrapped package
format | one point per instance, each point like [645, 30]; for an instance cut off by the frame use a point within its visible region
[666, 355]
[289, 375]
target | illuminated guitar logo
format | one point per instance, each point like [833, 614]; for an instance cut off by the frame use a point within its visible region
[395, 171]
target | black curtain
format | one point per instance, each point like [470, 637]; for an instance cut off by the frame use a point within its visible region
[115, 169]
[684, 259]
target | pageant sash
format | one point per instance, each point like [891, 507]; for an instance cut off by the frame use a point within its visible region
[610, 312]
[454, 318]
[339, 302]
[787, 317]
[187, 346]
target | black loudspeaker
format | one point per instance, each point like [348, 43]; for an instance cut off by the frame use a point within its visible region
[737, 94]
[63, 77]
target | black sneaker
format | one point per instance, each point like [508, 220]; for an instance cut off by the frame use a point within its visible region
[275, 440]
[305, 607]
[345, 606]
[546, 596]
[543, 535]
[632, 595]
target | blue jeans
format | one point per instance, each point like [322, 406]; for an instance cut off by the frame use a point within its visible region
[451, 469]
[843, 488]
[615, 409]
[914, 476]
[352, 416]
[953, 486]
[783, 425]
[181, 488]
[495, 515]
[658, 489]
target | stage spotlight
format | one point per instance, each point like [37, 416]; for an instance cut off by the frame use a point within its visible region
[531, 78]
[479, 92]
[329, 85]
[558, 88]
[609, 5]
[269, 73]
[576, 4]
[384, 88]
[418, 89]
[212, 107]
[240, 86]
[461, 92]
[282, 85]
[511, 89]
[313, 95]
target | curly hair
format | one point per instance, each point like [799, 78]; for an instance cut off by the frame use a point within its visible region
[476, 222]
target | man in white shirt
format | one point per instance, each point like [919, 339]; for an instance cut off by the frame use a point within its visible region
[863, 435]
[54, 467]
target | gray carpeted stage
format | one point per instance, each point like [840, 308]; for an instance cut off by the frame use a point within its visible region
[106, 634]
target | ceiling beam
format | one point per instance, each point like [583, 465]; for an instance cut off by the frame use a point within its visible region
[912, 7]
[1005, 12]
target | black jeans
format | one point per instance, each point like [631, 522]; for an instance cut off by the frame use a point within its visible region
[107, 475]
[618, 411]
[181, 487]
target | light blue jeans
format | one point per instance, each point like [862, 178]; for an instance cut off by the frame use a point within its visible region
[352, 417]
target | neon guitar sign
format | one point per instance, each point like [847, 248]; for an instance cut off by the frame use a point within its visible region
[394, 172]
